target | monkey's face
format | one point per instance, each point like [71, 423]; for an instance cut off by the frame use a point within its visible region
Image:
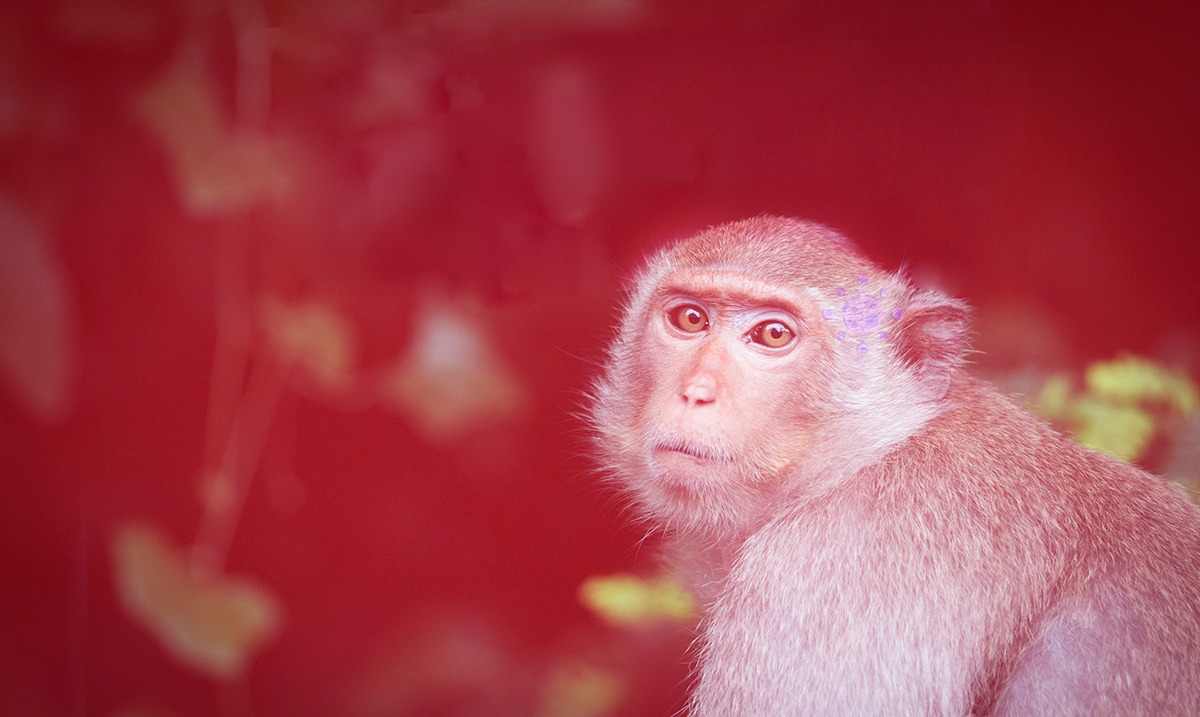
[732, 380]
[745, 367]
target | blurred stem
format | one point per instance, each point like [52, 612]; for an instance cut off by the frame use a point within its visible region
[239, 463]
[240, 409]
[232, 351]
[253, 91]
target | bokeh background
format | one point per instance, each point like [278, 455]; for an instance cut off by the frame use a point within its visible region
[300, 302]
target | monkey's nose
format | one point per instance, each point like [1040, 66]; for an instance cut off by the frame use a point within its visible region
[699, 390]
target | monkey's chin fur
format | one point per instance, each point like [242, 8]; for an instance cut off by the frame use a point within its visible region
[696, 492]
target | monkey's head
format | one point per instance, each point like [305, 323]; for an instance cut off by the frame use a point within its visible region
[763, 359]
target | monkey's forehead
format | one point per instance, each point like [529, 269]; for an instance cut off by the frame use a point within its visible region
[776, 250]
[752, 275]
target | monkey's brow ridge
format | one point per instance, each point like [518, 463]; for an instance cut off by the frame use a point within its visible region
[727, 288]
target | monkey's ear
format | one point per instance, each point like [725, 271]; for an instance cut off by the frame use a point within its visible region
[930, 339]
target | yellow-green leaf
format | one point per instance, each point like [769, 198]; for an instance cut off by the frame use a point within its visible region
[1131, 379]
[1119, 429]
[208, 621]
[218, 169]
[1054, 400]
[312, 336]
[631, 601]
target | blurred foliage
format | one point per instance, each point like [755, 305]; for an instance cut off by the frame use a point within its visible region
[1123, 404]
[579, 689]
[313, 337]
[1131, 380]
[219, 168]
[632, 601]
[208, 621]
[355, 184]
[37, 332]
[451, 378]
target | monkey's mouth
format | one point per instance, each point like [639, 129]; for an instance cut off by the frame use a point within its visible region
[700, 454]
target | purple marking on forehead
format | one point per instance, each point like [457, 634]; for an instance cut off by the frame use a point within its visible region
[862, 316]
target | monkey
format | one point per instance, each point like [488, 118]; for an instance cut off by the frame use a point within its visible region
[872, 529]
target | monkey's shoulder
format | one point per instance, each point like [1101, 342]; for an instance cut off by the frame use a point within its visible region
[983, 432]
[989, 467]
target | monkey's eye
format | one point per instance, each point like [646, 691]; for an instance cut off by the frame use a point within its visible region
[688, 318]
[772, 334]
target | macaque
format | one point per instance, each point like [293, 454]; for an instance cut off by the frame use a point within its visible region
[874, 531]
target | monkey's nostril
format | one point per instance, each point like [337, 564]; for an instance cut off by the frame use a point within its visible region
[698, 396]
[699, 390]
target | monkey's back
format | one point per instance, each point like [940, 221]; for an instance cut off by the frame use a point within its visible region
[1003, 568]
[1118, 631]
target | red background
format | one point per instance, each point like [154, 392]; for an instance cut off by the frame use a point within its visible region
[1039, 159]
